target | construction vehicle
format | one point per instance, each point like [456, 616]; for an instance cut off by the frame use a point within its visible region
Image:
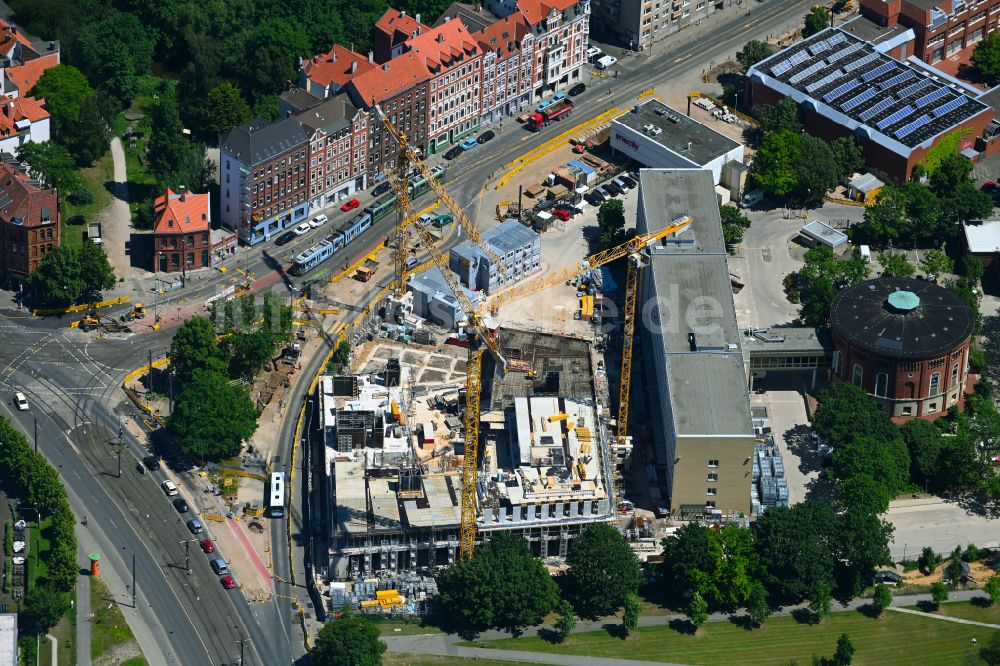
[138, 311]
[561, 109]
[90, 321]
[478, 333]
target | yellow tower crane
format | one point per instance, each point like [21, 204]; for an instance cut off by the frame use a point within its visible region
[478, 334]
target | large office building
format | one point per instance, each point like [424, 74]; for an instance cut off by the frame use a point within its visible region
[846, 85]
[703, 434]
[906, 342]
[941, 28]
[658, 137]
[637, 24]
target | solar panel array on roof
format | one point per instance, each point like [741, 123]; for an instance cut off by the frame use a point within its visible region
[819, 47]
[882, 105]
[808, 71]
[860, 98]
[860, 62]
[914, 88]
[896, 80]
[931, 97]
[884, 68]
[826, 80]
[5, 200]
[910, 128]
[840, 90]
[895, 117]
[950, 106]
[844, 52]
[797, 58]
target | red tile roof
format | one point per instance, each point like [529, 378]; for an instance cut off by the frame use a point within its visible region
[395, 76]
[338, 66]
[23, 199]
[9, 34]
[180, 213]
[25, 76]
[505, 35]
[14, 109]
[537, 10]
[393, 21]
[444, 44]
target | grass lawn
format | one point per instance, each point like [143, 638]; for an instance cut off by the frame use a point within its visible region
[65, 633]
[895, 639]
[967, 610]
[95, 177]
[37, 547]
[396, 628]
[141, 184]
[108, 627]
[394, 659]
[135, 661]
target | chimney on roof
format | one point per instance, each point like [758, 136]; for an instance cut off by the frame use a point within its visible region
[8, 109]
[354, 66]
[385, 67]
[52, 46]
[334, 54]
[403, 13]
[440, 38]
[417, 17]
[371, 56]
[689, 145]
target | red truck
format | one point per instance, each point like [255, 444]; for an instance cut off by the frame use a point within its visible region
[557, 111]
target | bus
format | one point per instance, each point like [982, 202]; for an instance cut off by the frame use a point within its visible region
[276, 501]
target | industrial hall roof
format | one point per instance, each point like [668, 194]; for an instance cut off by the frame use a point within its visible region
[851, 82]
[902, 318]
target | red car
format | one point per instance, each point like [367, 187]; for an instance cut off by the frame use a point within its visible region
[563, 215]
[227, 582]
[350, 205]
[207, 546]
[989, 187]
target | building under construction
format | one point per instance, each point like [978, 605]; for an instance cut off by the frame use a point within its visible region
[393, 461]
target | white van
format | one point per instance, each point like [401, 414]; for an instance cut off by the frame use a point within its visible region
[865, 253]
[604, 62]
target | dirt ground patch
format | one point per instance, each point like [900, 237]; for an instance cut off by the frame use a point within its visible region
[979, 573]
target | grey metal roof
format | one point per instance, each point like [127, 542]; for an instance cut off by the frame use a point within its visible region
[331, 116]
[822, 231]
[258, 141]
[432, 282]
[509, 236]
[939, 323]
[868, 30]
[666, 193]
[848, 80]
[688, 138]
[788, 340]
[298, 99]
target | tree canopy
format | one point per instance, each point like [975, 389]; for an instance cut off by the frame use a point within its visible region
[781, 116]
[212, 417]
[603, 571]
[817, 20]
[349, 641]
[800, 545]
[174, 159]
[720, 565]
[986, 56]
[819, 279]
[734, 224]
[68, 274]
[776, 162]
[194, 347]
[611, 221]
[895, 264]
[501, 586]
[753, 52]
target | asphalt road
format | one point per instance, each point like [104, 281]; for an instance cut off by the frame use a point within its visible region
[74, 390]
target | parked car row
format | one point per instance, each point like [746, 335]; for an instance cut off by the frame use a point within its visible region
[613, 188]
[195, 526]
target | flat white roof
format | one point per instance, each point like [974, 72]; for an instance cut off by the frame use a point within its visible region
[824, 233]
[982, 237]
[8, 639]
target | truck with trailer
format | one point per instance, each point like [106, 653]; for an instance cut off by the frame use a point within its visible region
[558, 111]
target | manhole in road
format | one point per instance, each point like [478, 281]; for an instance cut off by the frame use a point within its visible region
[766, 254]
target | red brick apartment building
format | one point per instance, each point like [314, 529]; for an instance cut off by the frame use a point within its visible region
[29, 223]
[941, 27]
[181, 231]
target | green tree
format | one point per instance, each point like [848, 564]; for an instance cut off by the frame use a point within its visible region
[847, 155]
[251, 351]
[114, 49]
[58, 281]
[924, 442]
[45, 605]
[603, 571]
[861, 491]
[863, 547]
[990, 653]
[885, 220]
[895, 264]
[349, 641]
[65, 89]
[697, 611]
[923, 210]
[566, 623]
[226, 107]
[961, 200]
[821, 600]
[194, 348]
[174, 159]
[489, 589]
[845, 411]
[928, 560]
[271, 52]
[776, 163]
[986, 56]
[49, 163]
[816, 167]
[757, 607]
[734, 567]
[753, 52]
[817, 20]
[212, 417]
[885, 460]
[845, 651]
[343, 354]
[630, 615]
[686, 560]
[953, 571]
[936, 262]
[90, 138]
[95, 269]
[734, 224]
[992, 588]
[939, 592]
[781, 116]
[611, 221]
[818, 277]
[882, 598]
[800, 545]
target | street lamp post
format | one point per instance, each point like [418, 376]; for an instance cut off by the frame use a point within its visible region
[187, 554]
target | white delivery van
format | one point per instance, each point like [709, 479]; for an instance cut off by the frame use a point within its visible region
[865, 253]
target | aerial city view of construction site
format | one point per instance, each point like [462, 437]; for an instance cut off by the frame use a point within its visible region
[518, 332]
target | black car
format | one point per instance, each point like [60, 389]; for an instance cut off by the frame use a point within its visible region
[152, 463]
[485, 136]
[593, 199]
[628, 181]
[285, 238]
[453, 152]
[572, 210]
[181, 505]
[612, 188]
[380, 189]
[577, 89]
